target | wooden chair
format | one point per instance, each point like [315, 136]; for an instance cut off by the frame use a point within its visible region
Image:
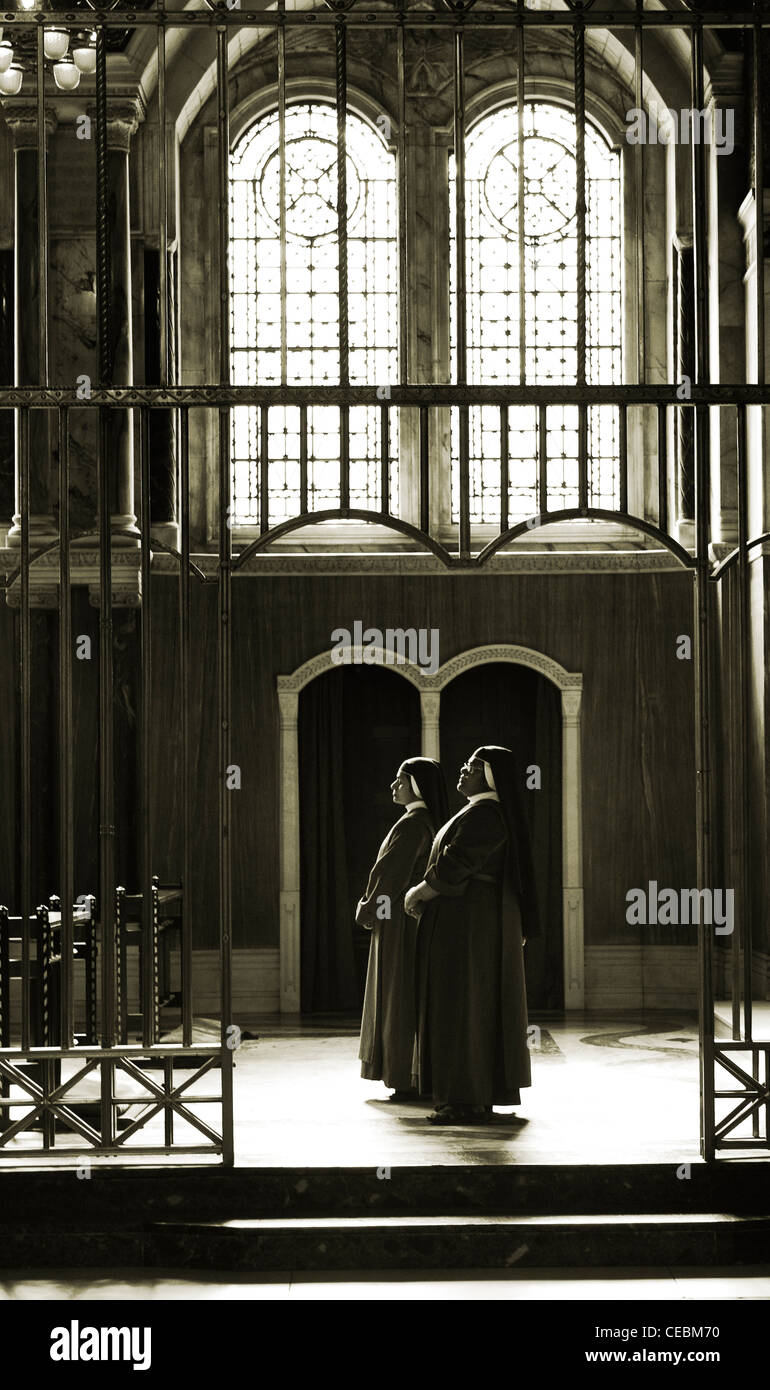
[165, 929]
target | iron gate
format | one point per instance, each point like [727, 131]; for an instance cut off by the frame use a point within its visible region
[43, 1067]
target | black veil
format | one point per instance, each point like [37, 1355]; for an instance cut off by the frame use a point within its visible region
[429, 778]
[520, 867]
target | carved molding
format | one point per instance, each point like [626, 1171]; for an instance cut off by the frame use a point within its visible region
[476, 656]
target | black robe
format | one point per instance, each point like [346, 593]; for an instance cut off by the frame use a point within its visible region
[472, 1003]
[388, 1020]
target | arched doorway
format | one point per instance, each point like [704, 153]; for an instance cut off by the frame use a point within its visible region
[356, 724]
[517, 707]
[429, 688]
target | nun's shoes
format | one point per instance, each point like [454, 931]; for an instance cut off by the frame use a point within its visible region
[460, 1115]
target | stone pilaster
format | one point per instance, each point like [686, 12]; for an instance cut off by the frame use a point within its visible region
[21, 118]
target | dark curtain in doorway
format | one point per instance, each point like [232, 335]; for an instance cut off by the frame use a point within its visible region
[356, 725]
[328, 980]
[512, 705]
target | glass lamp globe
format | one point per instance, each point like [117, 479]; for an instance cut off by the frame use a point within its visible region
[55, 43]
[85, 57]
[11, 80]
[66, 75]
[6, 56]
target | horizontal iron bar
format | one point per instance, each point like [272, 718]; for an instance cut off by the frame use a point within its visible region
[131, 1051]
[43, 1103]
[76, 1152]
[721, 393]
[417, 19]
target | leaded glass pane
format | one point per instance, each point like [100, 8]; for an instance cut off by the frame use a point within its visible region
[303, 343]
[550, 264]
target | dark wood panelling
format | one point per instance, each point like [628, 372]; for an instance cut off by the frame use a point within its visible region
[620, 631]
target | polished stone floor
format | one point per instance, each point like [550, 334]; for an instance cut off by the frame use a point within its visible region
[622, 1089]
[605, 1089]
[567, 1285]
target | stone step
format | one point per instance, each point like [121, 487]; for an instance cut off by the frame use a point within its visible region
[477, 1242]
[117, 1198]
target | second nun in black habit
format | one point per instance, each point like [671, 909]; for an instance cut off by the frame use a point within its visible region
[476, 906]
[388, 1020]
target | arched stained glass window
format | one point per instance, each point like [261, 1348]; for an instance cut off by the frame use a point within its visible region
[292, 338]
[493, 305]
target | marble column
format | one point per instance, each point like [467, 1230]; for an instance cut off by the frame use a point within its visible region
[21, 118]
[572, 832]
[288, 702]
[430, 707]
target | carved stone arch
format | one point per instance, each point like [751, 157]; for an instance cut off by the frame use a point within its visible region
[570, 684]
[550, 87]
[264, 99]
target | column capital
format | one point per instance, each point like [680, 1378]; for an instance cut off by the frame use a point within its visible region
[21, 118]
[727, 86]
[124, 115]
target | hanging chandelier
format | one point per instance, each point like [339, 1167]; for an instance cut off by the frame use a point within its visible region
[67, 64]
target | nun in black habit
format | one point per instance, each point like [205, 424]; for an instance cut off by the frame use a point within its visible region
[476, 906]
[388, 1020]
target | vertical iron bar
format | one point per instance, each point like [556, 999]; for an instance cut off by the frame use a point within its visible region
[184, 681]
[340, 50]
[663, 467]
[149, 982]
[424, 470]
[282, 182]
[542, 439]
[25, 652]
[744, 934]
[303, 459]
[462, 346]
[42, 211]
[582, 455]
[385, 459]
[162, 198]
[623, 452]
[578, 35]
[520, 198]
[264, 470]
[403, 230]
[224, 595]
[102, 224]
[465, 482]
[65, 737]
[702, 609]
[168, 1110]
[641, 347]
[459, 151]
[344, 457]
[759, 211]
[504, 469]
[106, 755]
